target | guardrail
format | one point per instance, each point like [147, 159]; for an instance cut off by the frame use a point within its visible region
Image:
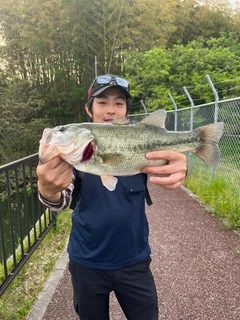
[24, 222]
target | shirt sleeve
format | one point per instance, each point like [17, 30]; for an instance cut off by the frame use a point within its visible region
[65, 199]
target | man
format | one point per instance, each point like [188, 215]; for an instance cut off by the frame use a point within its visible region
[108, 246]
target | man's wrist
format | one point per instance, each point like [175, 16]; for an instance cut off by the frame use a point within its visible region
[56, 199]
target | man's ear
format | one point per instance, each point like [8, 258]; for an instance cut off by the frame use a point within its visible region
[88, 112]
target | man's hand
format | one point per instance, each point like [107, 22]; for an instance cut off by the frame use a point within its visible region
[173, 174]
[53, 177]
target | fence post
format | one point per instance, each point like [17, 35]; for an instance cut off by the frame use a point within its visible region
[176, 108]
[192, 105]
[216, 108]
[191, 126]
[216, 98]
[144, 107]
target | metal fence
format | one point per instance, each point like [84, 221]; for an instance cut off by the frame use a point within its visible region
[24, 222]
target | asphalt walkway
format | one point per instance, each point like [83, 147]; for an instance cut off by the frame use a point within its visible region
[195, 262]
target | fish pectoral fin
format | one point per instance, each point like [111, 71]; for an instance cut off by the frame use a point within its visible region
[157, 118]
[109, 182]
[112, 159]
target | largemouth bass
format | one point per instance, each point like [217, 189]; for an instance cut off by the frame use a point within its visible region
[119, 148]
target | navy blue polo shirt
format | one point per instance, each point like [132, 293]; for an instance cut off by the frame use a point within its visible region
[109, 228]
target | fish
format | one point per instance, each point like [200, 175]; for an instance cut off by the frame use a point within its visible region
[119, 148]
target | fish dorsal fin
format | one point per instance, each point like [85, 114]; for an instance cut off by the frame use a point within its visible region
[121, 121]
[157, 118]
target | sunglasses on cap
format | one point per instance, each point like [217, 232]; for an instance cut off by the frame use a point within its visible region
[103, 82]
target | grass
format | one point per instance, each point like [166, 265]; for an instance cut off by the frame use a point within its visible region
[221, 192]
[19, 298]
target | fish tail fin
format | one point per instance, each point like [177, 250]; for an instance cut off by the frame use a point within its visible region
[209, 150]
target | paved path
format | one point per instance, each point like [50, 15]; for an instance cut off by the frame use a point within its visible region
[195, 264]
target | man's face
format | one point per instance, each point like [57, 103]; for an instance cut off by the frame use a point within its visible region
[110, 104]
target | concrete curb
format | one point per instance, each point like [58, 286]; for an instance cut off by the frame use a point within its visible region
[49, 288]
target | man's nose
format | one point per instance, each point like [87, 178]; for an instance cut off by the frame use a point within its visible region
[111, 107]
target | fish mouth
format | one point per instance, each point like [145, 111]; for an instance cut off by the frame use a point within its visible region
[47, 152]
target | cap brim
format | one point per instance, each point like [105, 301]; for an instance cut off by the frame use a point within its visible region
[111, 86]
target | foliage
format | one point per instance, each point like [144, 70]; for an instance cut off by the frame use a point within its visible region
[158, 71]
[206, 19]
[21, 123]
[53, 44]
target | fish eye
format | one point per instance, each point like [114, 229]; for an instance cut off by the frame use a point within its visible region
[62, 129]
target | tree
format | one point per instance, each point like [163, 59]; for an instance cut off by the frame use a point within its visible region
[20, 122]
[160, 71]
[206, 19]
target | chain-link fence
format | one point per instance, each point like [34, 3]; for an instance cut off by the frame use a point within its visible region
[187, 119]
[227, 111]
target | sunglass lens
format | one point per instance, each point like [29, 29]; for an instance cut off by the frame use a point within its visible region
[104, 79]
[122, 82]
